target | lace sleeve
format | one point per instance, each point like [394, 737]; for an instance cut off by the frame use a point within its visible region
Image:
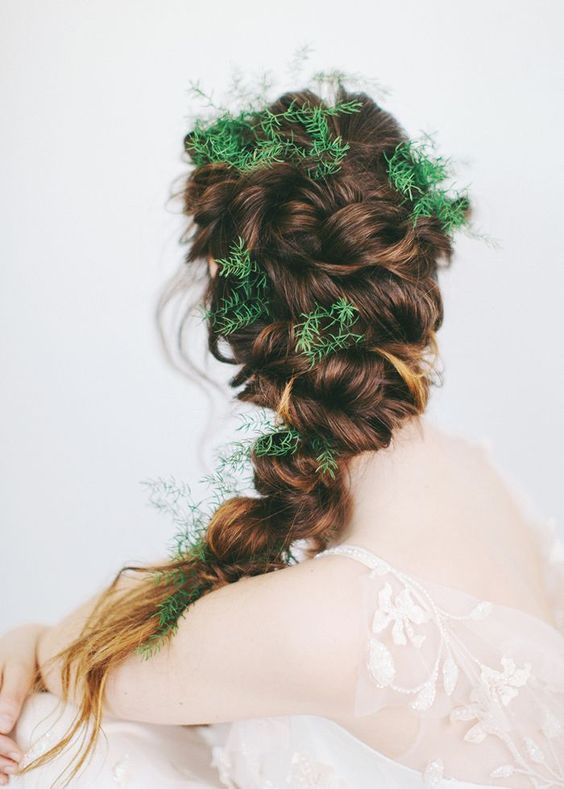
[412, 649]
[484, 682]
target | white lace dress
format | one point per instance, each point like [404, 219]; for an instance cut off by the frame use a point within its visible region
[483, 682]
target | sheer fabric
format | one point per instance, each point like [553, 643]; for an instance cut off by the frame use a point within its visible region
[484, 681]
[476, 688]
[128, 754]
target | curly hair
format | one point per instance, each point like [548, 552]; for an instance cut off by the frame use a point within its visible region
[350, 235]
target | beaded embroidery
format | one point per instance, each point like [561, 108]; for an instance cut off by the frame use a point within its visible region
[400, 615]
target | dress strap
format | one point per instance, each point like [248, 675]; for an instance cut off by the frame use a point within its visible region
[362, 555]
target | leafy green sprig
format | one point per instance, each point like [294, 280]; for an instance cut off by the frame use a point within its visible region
[191, 517]
[326, 457]
[253, 139]
[175, 500]
[249, 298]
[326, 330]
[232, 476]
[278, 442]
[418, 174]
[450, 211]
[286, 440]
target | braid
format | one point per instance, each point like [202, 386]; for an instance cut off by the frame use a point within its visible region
[351, 239]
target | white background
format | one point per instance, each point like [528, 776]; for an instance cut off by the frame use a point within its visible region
[94, 100]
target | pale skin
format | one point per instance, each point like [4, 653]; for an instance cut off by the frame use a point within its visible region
[287, 642]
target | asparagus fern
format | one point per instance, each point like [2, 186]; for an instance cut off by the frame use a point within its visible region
[417, 174]
[326, 330]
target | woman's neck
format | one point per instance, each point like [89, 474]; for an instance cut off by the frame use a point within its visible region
[385, 484]
[410, 438]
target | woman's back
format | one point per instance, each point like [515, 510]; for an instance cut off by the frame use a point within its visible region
[435, 504]
[460, 667]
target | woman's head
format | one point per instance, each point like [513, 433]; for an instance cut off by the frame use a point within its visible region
[352, 236]
[343, 233]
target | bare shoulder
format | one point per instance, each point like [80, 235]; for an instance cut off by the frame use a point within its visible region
[476, 457]
[492, 515]
[438, 506]
[455, 444]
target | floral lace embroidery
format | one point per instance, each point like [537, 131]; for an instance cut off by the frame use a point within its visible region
[304, 773]
[433, 773]
[402, 613]
[496, 688]
[221, 761]
[121, 771]
[307, 774]
[412, 605]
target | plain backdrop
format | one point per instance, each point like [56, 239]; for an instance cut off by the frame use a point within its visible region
[95, 98]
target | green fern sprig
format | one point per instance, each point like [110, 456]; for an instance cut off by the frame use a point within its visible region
[192, 517]
[413, 171]
[281, 441]
[450, 211]
[329, 153]
[235, 314]
[170, 610]
[286, 441]
[275, 438]
[326, 457]
[257, 420]
[253, 139]
[175, 500]
[248, 300]
[238, 264]
[416, 173]
[232, 474]
[315, 335]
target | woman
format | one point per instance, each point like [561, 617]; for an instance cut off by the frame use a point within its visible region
[420, 639]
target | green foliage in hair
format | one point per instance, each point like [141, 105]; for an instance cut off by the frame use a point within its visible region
[286, 440]
[326, 330]
[249, 298]
[239, 263]
[170, 610]
[326, 457]
[415, 172]
[279, 442]
[232, 476]
[450, 211]
[253, 139]
[175, 500]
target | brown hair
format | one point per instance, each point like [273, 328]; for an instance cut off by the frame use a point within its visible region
[350, 235]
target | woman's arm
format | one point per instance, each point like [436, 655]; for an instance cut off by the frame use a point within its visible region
[281, 643]
[17, 675]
